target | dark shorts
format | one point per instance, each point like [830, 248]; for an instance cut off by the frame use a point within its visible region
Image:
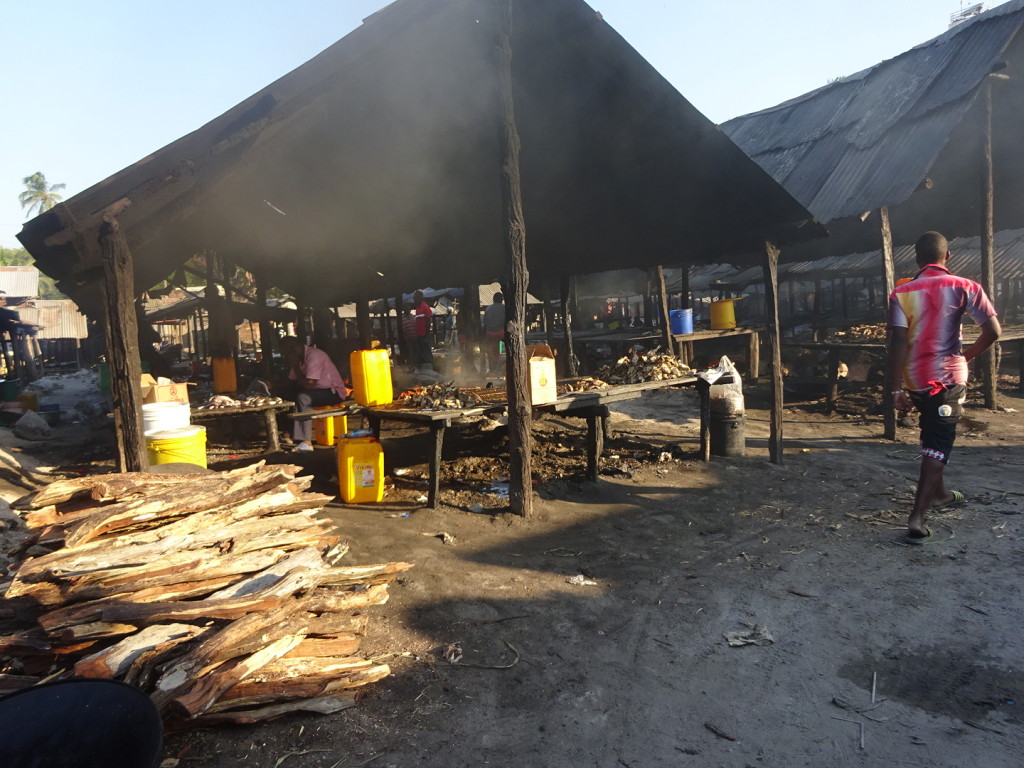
[939, 414]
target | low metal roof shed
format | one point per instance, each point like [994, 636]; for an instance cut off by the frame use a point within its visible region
[907, 134]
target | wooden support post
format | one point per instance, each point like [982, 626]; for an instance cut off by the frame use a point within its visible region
[1020, 365]
[363, 318]
[704, 390]
[666, 330]
[302, 329]
[437, 429]
[222, 336]
[889, 269]
[771, 287]
[987, 361]
[888, 265]
[649, 301]
[8, 341]
[684, 287]
[230, 334]
[549, 312]
[754, 356]
[833, 380]
[471, 330]
[520, 415]
[568, 296]
[403, 342]
[266, 330]
[273, 438]
[122, 336]
[595, 440]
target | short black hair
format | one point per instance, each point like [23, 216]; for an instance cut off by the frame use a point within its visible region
[930, 248]
[289, 342]
[499, 297]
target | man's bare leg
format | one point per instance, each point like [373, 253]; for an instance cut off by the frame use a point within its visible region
[930, 487]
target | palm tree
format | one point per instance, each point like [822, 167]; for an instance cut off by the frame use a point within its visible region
[39, 196]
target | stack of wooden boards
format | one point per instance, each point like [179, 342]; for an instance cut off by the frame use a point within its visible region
[218, 594]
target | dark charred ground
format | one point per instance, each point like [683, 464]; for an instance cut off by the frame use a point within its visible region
[634, 670]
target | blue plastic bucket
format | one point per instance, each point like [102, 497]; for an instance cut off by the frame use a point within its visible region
[681, 321]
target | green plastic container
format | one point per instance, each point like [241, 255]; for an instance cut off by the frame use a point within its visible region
[9, 389]
[104, 371]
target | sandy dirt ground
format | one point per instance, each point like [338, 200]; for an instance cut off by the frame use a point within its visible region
[595, 634]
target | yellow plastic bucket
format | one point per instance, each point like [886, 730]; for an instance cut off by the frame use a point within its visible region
[360, 470]
[723, 314]
[224, 377]
[371, 376]
[186, 445]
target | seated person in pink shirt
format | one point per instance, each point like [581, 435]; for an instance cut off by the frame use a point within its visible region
[318, 384]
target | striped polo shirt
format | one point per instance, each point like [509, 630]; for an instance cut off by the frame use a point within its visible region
[931, 307]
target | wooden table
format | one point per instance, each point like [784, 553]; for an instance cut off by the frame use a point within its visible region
[591, 405]
[268, 411]
[753, 334]
[1012, 334]
[437, 422]
[833, 349]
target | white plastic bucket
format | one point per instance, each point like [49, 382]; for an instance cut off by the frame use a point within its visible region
[161, 417]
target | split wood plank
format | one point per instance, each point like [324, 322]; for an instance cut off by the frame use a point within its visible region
[257, 692]
[324, 705]
[116, 660]
[204, 529]
[173, 503]
[205, 692]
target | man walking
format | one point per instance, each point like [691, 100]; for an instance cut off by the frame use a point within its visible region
[928, 368]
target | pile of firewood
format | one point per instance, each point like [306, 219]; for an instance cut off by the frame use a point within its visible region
[217, 594]
[639, 366]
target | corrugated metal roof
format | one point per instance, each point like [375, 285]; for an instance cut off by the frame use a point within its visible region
[871, 138]
[965, 260]
[19, 281]
[56, 318]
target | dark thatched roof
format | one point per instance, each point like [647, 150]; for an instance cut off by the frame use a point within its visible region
[376, 165]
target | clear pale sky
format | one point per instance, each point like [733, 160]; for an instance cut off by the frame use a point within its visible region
[89, 88]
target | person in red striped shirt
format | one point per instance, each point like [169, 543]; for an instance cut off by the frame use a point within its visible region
[928, 367]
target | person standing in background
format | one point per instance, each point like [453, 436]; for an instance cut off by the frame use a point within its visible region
[494, 329]
[423, 344]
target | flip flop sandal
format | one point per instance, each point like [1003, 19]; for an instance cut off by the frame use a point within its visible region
[916, 538]
[929, 538]
[958, 501]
